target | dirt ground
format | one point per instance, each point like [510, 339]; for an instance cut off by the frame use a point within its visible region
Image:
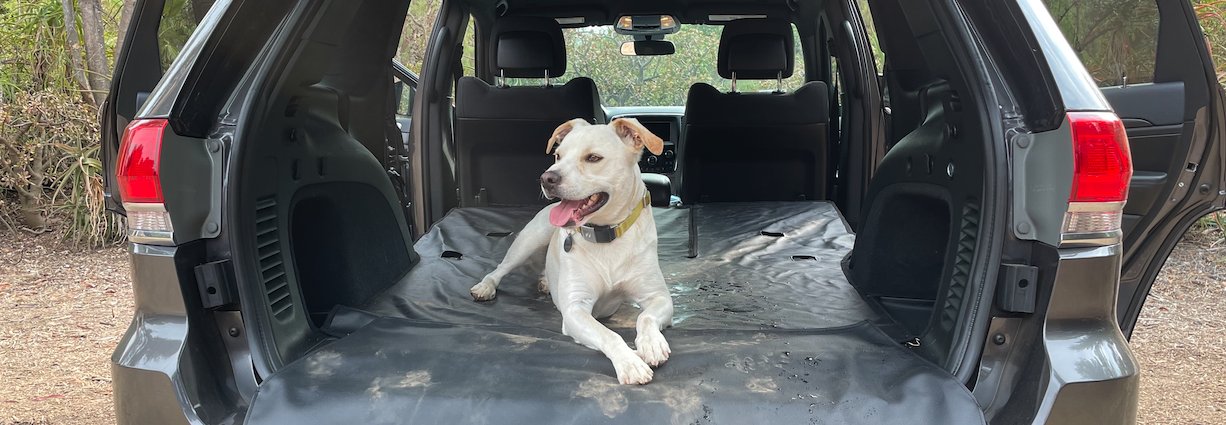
[62, 311]
[1180, 336]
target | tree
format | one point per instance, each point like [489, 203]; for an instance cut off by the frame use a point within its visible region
[95, 49]
[73, 50]
[125, 19]
[93, 75]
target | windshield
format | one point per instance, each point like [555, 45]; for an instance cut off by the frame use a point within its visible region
[595, 52]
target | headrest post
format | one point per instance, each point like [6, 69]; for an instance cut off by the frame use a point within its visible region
[501, 80]
[547, 84]
[779, 82]
[734, 81]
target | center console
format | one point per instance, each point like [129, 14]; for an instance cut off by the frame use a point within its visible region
[658, 170]
[667, 128]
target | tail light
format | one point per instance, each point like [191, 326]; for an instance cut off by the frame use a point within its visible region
[1102, 168]
[140, 186]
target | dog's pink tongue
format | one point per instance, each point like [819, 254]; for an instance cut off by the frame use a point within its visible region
[564, 213]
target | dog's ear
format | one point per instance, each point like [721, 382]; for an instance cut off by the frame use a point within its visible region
[634, 134]
[561, 132]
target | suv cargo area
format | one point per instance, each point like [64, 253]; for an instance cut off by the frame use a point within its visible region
[782, 312]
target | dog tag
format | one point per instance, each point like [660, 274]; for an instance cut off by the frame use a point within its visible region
[566, 244]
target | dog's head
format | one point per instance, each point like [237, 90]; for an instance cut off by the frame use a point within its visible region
[595, 172]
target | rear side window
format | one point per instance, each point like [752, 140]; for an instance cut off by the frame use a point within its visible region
[179, 20]
[1117, 41]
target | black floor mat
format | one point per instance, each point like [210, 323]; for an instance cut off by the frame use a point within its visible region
[403, 371]
[767, 330]
[758, 266]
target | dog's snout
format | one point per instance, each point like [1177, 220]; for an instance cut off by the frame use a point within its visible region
[551, 179]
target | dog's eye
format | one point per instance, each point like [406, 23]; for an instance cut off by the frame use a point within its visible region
[594, 158]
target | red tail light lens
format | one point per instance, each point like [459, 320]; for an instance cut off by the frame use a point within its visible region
[139, 162]
[1102, 163]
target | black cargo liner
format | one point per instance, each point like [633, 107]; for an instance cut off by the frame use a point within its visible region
[767, 328]
[758, 266]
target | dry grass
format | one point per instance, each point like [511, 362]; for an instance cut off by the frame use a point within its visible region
[63, 311]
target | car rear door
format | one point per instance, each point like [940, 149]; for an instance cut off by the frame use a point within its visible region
[1153, 64]
[158, 30]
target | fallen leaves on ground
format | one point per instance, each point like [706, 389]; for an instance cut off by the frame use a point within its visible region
[62, 312]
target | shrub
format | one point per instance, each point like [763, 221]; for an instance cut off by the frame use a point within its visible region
[50, 174]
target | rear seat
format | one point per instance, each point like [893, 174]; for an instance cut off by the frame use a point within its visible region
[501, 131]
[755, 146]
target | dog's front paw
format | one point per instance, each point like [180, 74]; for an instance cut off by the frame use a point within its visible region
[484, 291]
[652, 348]
[632, 370]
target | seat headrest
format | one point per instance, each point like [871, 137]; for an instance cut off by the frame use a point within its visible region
[756, 49]
[527, 47]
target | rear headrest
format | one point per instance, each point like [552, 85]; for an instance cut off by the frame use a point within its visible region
[756, 49]
[528, 46]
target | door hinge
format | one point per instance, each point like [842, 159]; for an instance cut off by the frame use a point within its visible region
[216, 282]
[1017, 291]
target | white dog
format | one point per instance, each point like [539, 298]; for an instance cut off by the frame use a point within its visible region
[601, 241]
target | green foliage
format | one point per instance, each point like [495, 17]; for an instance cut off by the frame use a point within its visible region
[870, 27]
[50, 147]
[50, 174]
[1214, 222]
[79, 196]
[179, 19]
[32, 48]
[595, 52]
[1115, 39]
[418, 24]
[1212, 15]
[411, 52]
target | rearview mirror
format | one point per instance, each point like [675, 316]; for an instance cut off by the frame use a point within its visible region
[650, 25]
[648, 48]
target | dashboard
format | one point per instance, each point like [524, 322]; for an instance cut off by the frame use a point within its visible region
[664, 122]
[665, 162]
